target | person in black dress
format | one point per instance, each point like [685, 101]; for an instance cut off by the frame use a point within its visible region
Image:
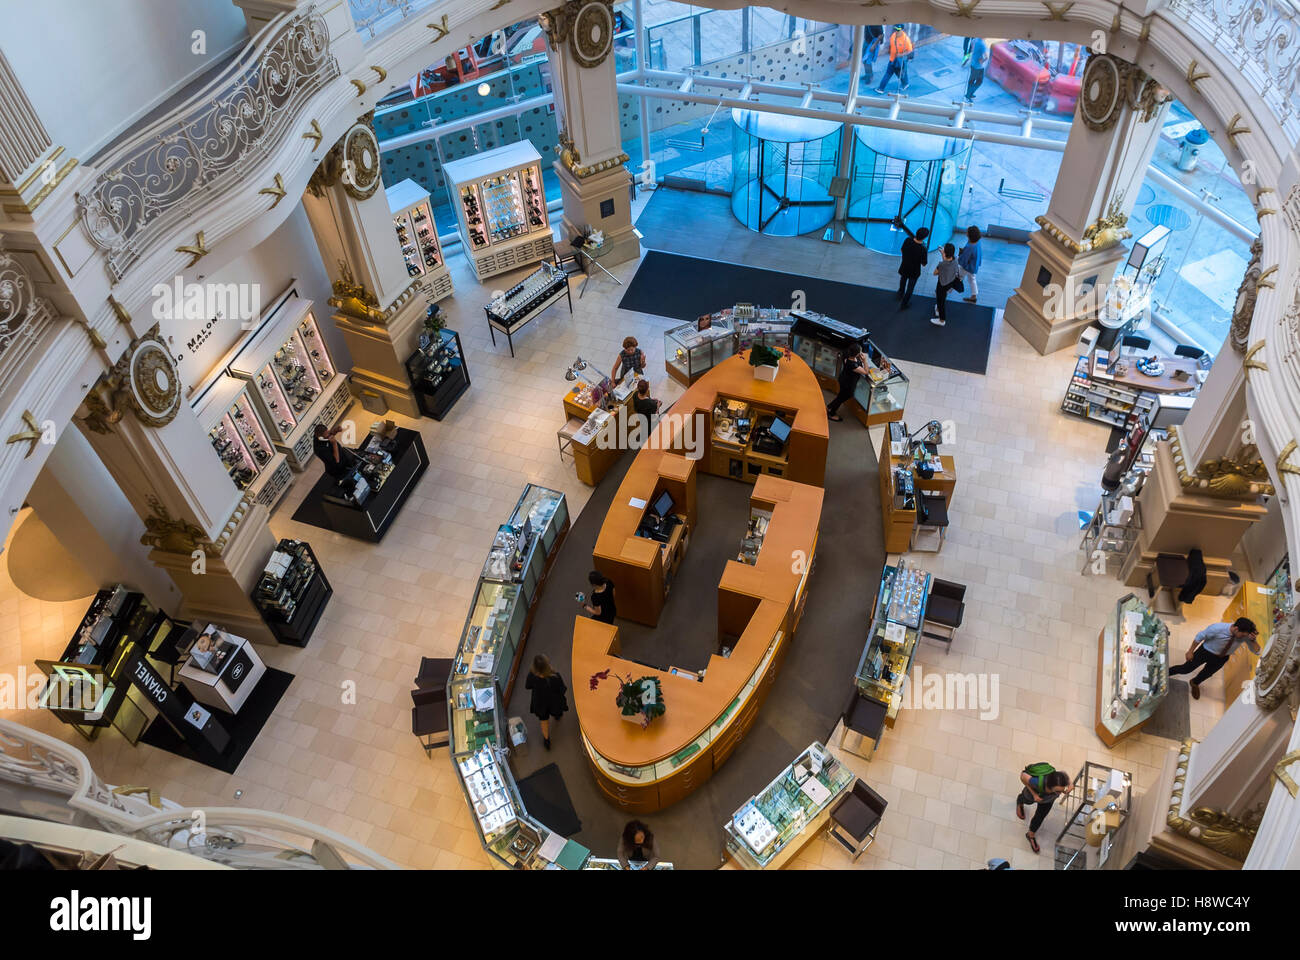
[915, 254]
[548, 700]
[855, 366]
[600, 604]
[337, 458]
[637, 843]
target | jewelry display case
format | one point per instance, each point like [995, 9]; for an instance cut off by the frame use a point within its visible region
[417, 235]
[894, 635]
[771, 826]
[296, 382]
[1132, 670]
[690, 352]
[823, 342]
[526, 300]
[500, 206]
[227, 411]
[438, 372]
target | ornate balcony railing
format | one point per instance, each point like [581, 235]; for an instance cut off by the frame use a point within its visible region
[373, 17]
[24, 316]
[160, 177]
[246, 839]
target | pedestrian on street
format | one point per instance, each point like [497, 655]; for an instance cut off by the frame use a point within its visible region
[1043, 783]
[1212, 648]
[875, 36]
[949, 278]
[979, 60]
[968, 261]
[900, 52]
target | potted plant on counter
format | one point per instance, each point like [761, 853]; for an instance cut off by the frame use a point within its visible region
[638, 701]
[764, 360]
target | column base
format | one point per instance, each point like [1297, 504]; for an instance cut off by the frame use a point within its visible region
[583, 198]
[1047, 308]
[379, 353]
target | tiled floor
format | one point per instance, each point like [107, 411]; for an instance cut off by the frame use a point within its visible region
[1032, 619]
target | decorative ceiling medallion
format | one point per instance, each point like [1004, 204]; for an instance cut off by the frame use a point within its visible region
[1102, 92]
[149, 380]
[592, 37]
[361, 161]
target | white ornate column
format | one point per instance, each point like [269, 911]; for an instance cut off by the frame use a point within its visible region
[30, 165]
[380, 307]
[1076, 249]
[210, 540]
[594, 183]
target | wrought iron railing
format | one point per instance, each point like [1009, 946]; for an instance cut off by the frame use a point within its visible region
[161, 176]
[373, 17]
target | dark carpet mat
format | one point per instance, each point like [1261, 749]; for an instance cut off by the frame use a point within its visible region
[808, 693]
[1173, 718]
[242, 727]
[310, 511]
[547, 800]
[672, 285]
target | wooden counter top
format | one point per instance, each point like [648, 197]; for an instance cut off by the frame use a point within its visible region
[1165, 383]
[691, 705]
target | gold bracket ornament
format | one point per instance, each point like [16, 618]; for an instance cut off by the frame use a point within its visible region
[1284, 466]
[1243, 478]
[383, 74]
[1211, 828]
[150, 793]
[1284, 778]
[315, 134]
[169, 535]
[32, 434]
[1057, 11]
[1248, 360]
[1145, 32]
[1234, 131]
[119, 311]
[1263, 280]
[197, 250]
[352, 299]
[498, 5]
[967, 10]
[276, 191]
[1193, 77]
[361, 87]
[441, 27]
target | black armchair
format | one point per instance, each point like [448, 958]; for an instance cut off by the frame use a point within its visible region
[434, 673]
[429, 718]
[944, 610]
[864, 717]
[1190, 352]
[855, 818]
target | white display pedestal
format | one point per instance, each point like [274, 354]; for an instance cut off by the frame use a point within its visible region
[213, 690]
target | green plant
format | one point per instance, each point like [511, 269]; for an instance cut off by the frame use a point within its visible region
[630, 701]
[760, 356]
[433, 321]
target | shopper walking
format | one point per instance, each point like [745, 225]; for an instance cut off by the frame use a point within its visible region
[637, 843]
[548, 700]
[915, 254]
[854, 368]
[969, 262]
[1212, 648]
[600, 605]
[900, 52]
[1043, 783]
[949, 278]
[979, 61]
[873, 38]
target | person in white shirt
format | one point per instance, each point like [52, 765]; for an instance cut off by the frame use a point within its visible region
[1212, 648]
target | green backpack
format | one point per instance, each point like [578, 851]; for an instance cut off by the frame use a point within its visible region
[1038, 773]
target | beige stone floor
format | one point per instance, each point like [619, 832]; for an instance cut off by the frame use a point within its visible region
[1031, 618]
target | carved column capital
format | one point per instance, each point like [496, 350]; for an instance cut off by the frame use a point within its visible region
[587, 26]
[353, 161]
[1277, 677]
[1111, 84]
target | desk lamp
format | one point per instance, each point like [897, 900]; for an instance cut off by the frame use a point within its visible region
[933, 431]
[600, 386]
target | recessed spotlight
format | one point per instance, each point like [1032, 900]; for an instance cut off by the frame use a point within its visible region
[484, 88]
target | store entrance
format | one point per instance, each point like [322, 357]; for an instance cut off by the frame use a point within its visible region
[687, 634]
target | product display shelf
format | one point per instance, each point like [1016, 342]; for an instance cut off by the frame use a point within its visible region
[527, 300]
[691, 351]
[294, 378]
[514, 574]
[292, 592]
[1096, 809]
[234, 424]
[894, 635]
[417, 235]
[1104, 401]
[770, 828]
[1110, 535]
[438, 373]
[1132, 670]
[822, 342]
[500, 205]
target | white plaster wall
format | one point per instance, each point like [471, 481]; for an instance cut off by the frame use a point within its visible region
[92, 67]
[1265, 542]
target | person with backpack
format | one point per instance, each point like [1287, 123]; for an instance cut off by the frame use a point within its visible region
[949, 278]
[969, 261]
[900, 51]
[1043, 783]
[914, 255]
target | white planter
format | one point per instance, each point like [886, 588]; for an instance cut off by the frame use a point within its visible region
[765, 372]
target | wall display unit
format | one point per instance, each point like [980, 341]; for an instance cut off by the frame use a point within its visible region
[894, 635]
[1104, 400]
[417, 235]
[822, 343]
[242, 440]
[526, 300]
[691, 351]
[1096, 809]
[774, 824]
[500, 208]
[1266, 605]
[1132, 670]
[292, 592]
[438, 373]
[364, 501]
[294, 378]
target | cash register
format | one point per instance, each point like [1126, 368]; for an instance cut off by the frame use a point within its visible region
[659, 520]
[769, 436]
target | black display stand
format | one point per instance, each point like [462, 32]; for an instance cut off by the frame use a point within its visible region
[539, 303]
[438, 392]
[371, 520]
[311, 601]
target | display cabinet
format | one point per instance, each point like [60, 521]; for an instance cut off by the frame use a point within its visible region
[526, 300]
[882, 393]
[823, 343]
[772, 825]
[1132, 670]
[227, 411]
[1097, 807]
[417, 235]
[438, 372]
[690, 352]
[893, 636]
[292, 592]
[1282, 595]
[767, 326]
[500, 206]
[294, 377]
[1265, 605]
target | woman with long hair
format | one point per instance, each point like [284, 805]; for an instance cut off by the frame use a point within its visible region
[548, 700]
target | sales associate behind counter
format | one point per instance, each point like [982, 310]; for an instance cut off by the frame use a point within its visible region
[338, 459]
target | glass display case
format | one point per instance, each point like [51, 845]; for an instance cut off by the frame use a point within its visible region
[246, 445]
[768, 326]
[494, 629]
[438, 372]
[1281, 597]
[768, 822]
[1134, 669]
[500, 205]
[417, 234]
[292, 592]
[882, 393]
[690, 353]
[894, 634]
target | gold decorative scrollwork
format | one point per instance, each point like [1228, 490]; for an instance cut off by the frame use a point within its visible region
[1214, 829]
[31, 435]
[1241, 478]
[144, 380]
[352, 299]
[1277, 676]
[1109, 229]
[1109, 83]
[173, 535]
[353, 161]
[587, 26]
[1243, 310]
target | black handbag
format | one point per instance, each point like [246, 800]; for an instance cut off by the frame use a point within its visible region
[958, 285]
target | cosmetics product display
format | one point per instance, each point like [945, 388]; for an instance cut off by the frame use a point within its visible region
[500, 201]
[438, 372]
